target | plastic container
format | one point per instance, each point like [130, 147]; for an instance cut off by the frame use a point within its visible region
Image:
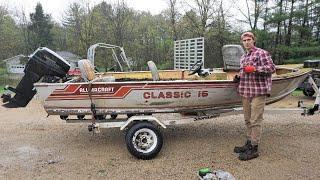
[208, 174]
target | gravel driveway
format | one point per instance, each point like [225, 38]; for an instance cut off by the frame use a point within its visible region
[34, 146]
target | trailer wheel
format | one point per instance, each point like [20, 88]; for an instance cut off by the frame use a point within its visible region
[114, 116]
[100, 117]
[308, 92]
[80, 117]
[130, 115]
[64, 117]
[144, 140]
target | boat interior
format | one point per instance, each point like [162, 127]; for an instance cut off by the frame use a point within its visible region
[171, 75]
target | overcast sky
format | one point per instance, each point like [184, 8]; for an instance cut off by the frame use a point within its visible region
[57, 7]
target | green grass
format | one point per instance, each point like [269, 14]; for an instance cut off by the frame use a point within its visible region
[3, 70]
[297, 93]
[1, 89]
[300, 60]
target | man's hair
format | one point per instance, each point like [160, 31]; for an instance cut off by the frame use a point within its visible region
[248, 34]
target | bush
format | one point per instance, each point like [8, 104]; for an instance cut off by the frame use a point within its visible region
[300, 60]
[299, 52]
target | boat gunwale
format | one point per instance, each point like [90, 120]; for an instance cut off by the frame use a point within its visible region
[179, 81]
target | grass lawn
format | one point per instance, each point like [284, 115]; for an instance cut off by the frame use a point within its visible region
[297, 92]
[1, 89]
[300, 60]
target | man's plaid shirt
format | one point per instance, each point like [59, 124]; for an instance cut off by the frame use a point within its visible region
[258, 82]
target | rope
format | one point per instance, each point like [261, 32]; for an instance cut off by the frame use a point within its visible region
[92, 106]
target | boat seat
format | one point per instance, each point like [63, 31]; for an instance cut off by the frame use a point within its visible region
[154, 71]
[86, 69]
[88, 73]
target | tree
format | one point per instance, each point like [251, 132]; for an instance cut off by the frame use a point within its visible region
[102, 25]
[10, 36]
[252, 18]
[173, 16]
[280, 19]
[204, 10]
[3, 14]
[316, 20]
[73, 23]
[190, 25]
[39, 29]
[120, 20]
[289, 33]
[59, 34]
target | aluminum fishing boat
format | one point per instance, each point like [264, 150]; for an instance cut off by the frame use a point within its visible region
[140, 93]
[137, 94]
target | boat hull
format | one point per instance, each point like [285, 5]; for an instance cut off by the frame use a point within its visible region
[138, 97]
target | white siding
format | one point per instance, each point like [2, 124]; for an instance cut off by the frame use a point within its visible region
[16, 68]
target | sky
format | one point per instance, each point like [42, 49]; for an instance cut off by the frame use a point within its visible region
[57, 8]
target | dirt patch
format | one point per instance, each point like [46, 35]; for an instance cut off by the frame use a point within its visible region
[34, 146]
[291, 101]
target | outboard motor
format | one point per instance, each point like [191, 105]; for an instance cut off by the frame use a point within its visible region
[43, 62]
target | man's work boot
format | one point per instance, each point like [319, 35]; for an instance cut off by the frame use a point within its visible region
[242, 149]
[251, 153]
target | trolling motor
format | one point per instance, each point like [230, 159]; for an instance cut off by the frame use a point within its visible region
[42, 63]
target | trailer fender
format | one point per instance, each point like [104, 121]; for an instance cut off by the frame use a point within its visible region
[142, 118]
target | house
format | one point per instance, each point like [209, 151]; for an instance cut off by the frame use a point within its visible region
[17, 63]
[70, 57]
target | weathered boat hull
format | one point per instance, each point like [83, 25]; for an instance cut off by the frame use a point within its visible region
[152, 96]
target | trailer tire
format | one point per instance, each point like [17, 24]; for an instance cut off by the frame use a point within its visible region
[113, 116]
[308, 92]
[100, 117]
[130, 115]
[144, 140]
[64, 117]
[80, 116]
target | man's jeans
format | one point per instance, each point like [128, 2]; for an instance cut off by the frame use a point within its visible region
[253, 109]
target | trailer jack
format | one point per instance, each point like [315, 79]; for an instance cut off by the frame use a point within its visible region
[311, 111]
[94, 128]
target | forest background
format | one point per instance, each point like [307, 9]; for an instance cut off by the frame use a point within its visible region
[288, 29]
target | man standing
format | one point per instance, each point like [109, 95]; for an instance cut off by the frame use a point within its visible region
[256, 67]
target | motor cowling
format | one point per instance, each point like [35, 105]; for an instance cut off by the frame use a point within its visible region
[43, 62]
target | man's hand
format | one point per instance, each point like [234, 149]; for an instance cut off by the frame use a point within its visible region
[249, 69]
[236, 78]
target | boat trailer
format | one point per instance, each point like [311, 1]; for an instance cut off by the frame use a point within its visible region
[143, 135]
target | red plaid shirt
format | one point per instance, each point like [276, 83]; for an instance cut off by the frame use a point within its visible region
[258, 82]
